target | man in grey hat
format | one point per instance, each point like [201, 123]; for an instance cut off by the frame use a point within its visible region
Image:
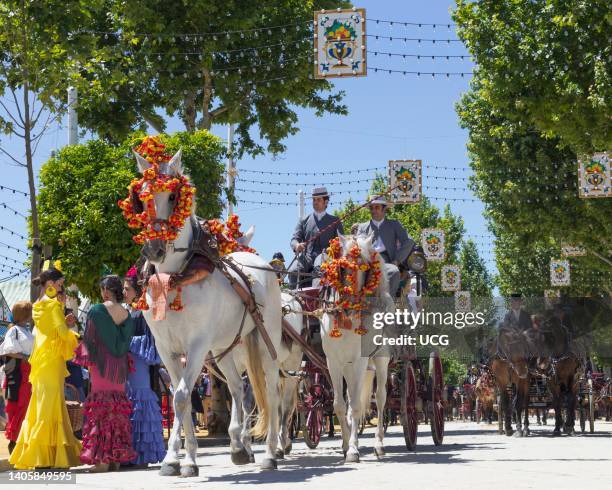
[305, 245]
[391, 241]
[517, 317]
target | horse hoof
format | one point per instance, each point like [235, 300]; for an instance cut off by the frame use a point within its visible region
[526, 432]
[189, 471]
[251, 458]
[509, 432]
[170, 469]
[556, 433]
[518, 433]
[288, 448]
[351, 458]
[280, 454]
[269, 464]
[240, 457]
[379, 452]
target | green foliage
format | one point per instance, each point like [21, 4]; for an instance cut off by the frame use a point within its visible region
[454, 371]
[155, 65]
[546, 63]
[79, 191]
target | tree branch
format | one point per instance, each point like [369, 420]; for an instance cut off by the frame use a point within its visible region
[12, 157]
[10, 114]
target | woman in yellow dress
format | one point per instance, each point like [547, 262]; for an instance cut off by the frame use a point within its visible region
[46, 439]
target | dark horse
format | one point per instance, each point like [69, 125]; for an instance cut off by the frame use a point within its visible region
[509, 355]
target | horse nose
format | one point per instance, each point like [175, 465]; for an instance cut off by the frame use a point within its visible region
[159, 253]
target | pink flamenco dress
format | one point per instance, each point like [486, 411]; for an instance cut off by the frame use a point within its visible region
[46, 439]
[107, 433]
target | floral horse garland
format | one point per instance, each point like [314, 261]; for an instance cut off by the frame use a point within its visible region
[139, 210]
[347, 285]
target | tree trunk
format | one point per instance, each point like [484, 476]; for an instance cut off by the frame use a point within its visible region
[218, 423]
[189, 112]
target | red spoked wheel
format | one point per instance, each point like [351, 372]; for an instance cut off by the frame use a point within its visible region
[408, 406]
[313, 426]
[436, 383]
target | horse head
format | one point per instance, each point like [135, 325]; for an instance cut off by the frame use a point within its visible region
[167, 198]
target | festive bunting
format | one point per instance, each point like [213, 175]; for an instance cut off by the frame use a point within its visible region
[463, 301]
[595, 176]
[451, 278]
[339, 43]
[432, 240]
[405, 179]
[559, 272]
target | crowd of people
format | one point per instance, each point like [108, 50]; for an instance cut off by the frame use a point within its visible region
[112, 367]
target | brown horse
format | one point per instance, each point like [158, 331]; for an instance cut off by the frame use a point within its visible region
[485, 396]
[510, 369]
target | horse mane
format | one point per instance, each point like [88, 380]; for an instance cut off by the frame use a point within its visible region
[366, 254]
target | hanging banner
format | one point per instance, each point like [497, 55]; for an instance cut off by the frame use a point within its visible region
[572, 251]
[463, 301]
[559, 272]
[405, 179]
[451, 278]
[432, 241]
[595, 176]
[340, 43]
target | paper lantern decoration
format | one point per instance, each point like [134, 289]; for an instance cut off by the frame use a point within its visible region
[432, 240]
[559, 272]
[572, 251]
[405, 179]
[340, 43]
[463, 301]
[451, 278]
[595, 176]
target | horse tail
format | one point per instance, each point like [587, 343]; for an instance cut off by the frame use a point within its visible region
[366, 391]
[257, 378]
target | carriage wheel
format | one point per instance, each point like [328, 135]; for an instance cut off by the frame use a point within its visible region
[591, 408]
[408, 406]
[437, 408]
[294, 425]
[313, 426]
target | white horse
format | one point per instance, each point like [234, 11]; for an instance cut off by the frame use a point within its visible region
[210, 321]
[348, 357]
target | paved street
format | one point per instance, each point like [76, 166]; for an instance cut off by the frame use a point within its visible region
[473, 456]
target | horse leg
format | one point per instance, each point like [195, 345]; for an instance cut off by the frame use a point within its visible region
[517, 403]
[382, 366]
[571, 407]
[526, 406]
[238, 452]
[507, 409]
[556, 400]
[339, 403]
[288, 399]
[354, 380]
[171, 465]
[271, 370]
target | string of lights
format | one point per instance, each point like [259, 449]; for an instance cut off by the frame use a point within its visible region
[389, 71]
[2, 244]
[13, 276]
[352, 171]
[10, 259]
[13, 233]
[14, 191]
[287, 193]
[413, 39]
[14, 211]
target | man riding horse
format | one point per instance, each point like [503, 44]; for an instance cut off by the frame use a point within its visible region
[312, 236]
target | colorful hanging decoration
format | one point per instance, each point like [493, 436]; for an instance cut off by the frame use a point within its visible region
[572, 251]
[463, 301]
[432, 240]
[405, 180]
[143, 190]
[340, 43]
[228, 235]
[595, 176]
[559, 272]
[351, 299]
[451, 278]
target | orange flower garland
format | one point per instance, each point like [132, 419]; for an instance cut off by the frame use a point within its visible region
[150, 184]
[227, 235]
[348, 287]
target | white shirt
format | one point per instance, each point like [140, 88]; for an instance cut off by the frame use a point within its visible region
[18, 340]
[517, 314]
[319, 215]
[379, 246]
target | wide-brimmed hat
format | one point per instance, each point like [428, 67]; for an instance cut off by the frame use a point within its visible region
[320, 192]
[378, 200]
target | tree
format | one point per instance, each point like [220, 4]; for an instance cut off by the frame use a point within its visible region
[544, 63]
[207, 61]
[474, 275]
[79, 191]
[33, 66]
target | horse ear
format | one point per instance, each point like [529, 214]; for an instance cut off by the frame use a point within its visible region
[342, 239]
[247, 236]
[175, 165]
[142, 162]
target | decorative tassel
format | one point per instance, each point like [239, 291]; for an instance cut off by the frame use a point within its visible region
[177, 304]
[335, 333]
[141, 304]
[361, 330]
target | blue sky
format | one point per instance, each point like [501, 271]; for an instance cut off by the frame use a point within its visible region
[391, 117]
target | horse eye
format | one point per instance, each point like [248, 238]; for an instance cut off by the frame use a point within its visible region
[172, 197]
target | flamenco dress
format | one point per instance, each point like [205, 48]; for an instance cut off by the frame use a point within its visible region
[18, 390]
[46, 438]
[146, 417]
[104, 349]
